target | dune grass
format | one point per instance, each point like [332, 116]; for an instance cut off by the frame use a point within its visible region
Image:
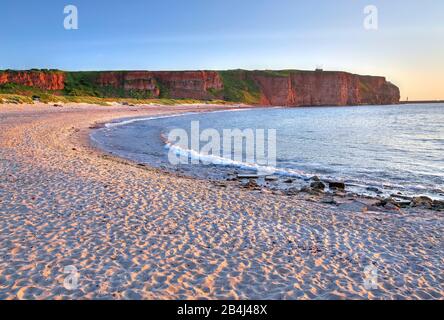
[8, 98]
[15, 99]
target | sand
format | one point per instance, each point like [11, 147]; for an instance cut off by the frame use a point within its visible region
[138, 233]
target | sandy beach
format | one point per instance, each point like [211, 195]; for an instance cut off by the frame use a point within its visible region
[133, 232]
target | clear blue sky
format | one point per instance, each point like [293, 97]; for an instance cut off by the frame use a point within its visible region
[408, 48]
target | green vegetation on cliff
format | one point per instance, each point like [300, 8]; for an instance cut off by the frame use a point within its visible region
[81, 84]
[277, 73]
[34, 70]
[84, 86]
[239, 87]
[80, 92]
[85, 83]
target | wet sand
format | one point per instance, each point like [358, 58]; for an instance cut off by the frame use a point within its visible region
[133, 232]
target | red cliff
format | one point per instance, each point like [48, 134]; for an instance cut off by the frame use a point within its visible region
[268, 88]
[131, 80]
[176, 84]
[45, 80]
[377, 90]
[191, 84]
[305, 88]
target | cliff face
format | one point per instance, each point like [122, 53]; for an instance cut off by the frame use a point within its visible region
[39, 79]
[200, 85]
[324, 88]
[191, 84]
[268, 88]
[376, 90]
[137, 80]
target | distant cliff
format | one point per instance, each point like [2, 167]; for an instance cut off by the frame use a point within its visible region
[175, 84]
[269, 88]
[46, 80]
[306, 88]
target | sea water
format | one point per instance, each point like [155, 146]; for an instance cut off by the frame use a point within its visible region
[395, 149]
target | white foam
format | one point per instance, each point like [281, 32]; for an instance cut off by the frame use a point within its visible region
[126, 122]
[218, 160]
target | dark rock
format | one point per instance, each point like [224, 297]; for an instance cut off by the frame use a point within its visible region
[311, 191]
[373, 189]
[392, 207]
[271, 178]
[315, 178]
[381, 203]
[423, 202]
[339, 193]
[247, 176]
[288, 181]
[336, 185]
[252, 184]
[351, 195]
[292, 192]
[317, 185]
[438, 205]
[391, 203]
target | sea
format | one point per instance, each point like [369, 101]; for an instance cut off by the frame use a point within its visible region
[374, 150]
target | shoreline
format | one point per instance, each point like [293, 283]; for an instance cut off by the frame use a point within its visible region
[305, 183]
[140, 233]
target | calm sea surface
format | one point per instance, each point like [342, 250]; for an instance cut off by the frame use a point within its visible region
[397, 149]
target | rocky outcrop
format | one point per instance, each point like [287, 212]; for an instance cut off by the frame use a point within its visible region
[45, 80]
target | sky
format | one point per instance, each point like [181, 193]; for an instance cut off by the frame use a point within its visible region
[407, 47]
